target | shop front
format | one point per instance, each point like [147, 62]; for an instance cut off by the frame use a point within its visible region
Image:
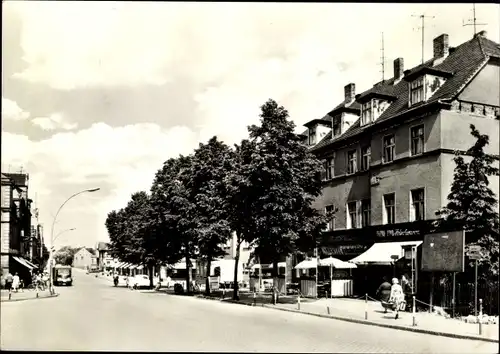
[383, 251]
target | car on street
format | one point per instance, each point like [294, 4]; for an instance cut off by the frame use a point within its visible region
[139, 281]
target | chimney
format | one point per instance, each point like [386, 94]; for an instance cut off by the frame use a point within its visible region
[399, 67]
[349, 92]
[481, 34]
[441, 48]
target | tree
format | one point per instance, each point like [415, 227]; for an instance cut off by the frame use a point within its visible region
[240, 201]
[210, 165]
[471, 202]
[286, 180]
[133, 232]
[174, 204]
[65, 255]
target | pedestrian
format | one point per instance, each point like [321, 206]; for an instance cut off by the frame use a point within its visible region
[397, 296]
[15, 282]
[8, 282]
[384, 293]
[21, 285]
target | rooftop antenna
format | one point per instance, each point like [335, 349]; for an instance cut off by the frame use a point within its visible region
[473, 20]
[422, 28]
[382, 58]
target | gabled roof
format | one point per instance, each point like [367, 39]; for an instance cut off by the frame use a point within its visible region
[461, 65]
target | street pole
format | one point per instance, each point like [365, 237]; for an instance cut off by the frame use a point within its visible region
[475, 290]
[316, 275]
[453, 297]
[51, 252]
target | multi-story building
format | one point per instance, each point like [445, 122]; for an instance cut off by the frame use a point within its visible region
[388, 151]
[16, 237]
[85, 258]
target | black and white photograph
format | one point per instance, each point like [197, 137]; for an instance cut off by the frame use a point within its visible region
[267, 177]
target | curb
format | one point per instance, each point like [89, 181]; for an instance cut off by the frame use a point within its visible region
[30, 298]
[365, 322]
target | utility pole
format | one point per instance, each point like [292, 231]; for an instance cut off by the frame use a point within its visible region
[382, 58]
[422, 28]
[473, 21]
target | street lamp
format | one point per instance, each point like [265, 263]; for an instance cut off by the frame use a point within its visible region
[59, 234]
[51, 254]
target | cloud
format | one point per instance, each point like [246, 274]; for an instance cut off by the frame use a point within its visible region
[118, 160]
[11, 110]
[53, 122]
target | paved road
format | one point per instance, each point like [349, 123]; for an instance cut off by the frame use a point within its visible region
[94, 315]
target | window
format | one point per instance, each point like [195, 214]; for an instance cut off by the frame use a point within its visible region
[366, 113]
[352, 221]
[389, 145]
[417, 140]
[365, 158]
[389, 208]
[365, 213]
[336, 127]
[329, 168]
[417, 91]
[351, 162]
[417, 205]
[331, 222]
[312, 136]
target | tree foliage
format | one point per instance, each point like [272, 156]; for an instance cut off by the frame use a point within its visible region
[65, 255]
[472, 204]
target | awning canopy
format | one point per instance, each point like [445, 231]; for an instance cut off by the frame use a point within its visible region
[308, 264]
[336, 263]
[23, 262]
[382, 253]
[126, 265]
[119, 265]
[141, 267]
[30, 264]
[258, 266]
[133, 266]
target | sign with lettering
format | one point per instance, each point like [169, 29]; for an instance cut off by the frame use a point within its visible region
[474, 252]
[344, 250]
[397, 233]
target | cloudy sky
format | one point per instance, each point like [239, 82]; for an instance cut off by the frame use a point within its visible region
[100, 94]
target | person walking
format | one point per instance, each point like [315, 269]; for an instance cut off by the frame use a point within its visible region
[15, 282]
[384, 293]
[397, 296]
[8, 282]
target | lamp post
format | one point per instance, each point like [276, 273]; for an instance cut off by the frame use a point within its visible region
[51, 253]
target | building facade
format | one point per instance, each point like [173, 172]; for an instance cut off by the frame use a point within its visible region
[388, 152]
[85, 258]
[18, 239]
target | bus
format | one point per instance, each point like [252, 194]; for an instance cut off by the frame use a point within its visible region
[62, 275]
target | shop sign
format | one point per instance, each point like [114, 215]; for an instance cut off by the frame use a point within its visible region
[345, 250]
[397, 233]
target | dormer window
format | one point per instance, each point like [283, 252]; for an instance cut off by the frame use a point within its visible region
[336, 127]
[366, 113]
[312, 135]
[417, 90]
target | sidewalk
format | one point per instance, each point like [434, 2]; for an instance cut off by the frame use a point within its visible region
[353, 310]
[26, 295]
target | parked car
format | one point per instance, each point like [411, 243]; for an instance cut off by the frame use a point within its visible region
[139, 281]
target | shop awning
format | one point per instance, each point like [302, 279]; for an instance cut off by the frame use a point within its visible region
[258, 266]
[133, 266]
[126, 265]
[382, 253]
[30, 264]
[307, 264]
[23, 262]
[336, 263]
[119, 265]
[141, 267]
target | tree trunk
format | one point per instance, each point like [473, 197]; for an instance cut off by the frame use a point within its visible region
[189, 275]
[275, 281]
[236, 261]
[207, 280]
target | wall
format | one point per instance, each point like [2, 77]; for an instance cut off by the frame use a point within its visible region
[485, 87]
[432, 138]
[78, 262]
[461, 139]
[401, 178]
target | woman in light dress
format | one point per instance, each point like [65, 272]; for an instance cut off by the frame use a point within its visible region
[15, 282]
[397, 296]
